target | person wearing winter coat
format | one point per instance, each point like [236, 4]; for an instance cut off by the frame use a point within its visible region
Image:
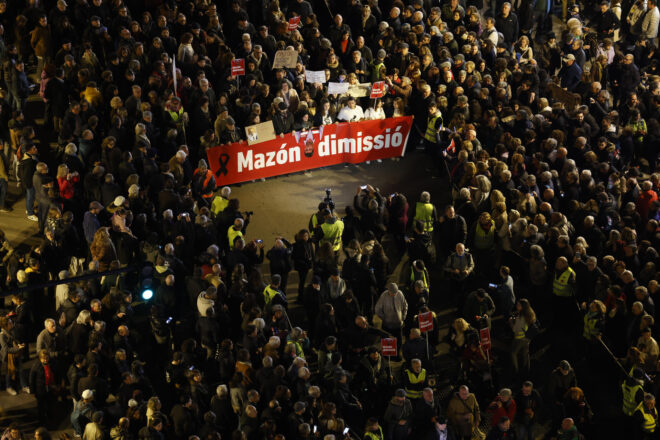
[463, 412]
[392, 309]
[398, 416]
[279, 257]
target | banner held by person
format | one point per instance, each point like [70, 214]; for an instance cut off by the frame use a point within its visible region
[329, 145]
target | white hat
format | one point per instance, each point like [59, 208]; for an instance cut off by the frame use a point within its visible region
[119, 200]
[87, 394]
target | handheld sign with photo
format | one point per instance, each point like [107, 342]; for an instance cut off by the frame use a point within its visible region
[293, 23]
[425, 321]
[377, 89]
[238, 67]
[388, 346]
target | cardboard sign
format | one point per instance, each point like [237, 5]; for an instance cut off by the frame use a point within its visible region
[285, 58]
[315, 76]
[293, 23]
[388, 346]
[484, 336]
[335, 88]
[238, 67]
[337, 144]
[377, 89]
[425, 322]
[260, 133]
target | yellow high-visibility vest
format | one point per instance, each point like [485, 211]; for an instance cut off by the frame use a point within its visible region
[416, 381]
[424, 213]
[560, 286]
[650, 420]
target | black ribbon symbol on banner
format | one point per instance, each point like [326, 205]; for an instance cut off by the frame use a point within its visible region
[223, 160]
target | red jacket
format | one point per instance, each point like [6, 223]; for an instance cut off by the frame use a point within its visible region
[507, 409]
[67, 189]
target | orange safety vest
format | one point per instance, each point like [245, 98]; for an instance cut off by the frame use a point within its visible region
[207, 179]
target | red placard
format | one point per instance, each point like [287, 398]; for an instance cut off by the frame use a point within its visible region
[333, 144]
[388, 346]
[377, 89]
[293, 23]
[484, 336]
[425, 321]
[238, 67]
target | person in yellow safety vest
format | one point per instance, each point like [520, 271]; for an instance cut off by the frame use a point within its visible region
[520, 322]
[646, 417]
[317, 217]
[221, 201]
[373, 431]
[433, 127]
[235, 231]
[418, 272]
[593, 320]
[298, 338]
[632, 391]
[564, 279]
[330, 231]
[425, 212]
[203, 183]
[414, 379]
[483, 237]
[176, 117]
[272, 293]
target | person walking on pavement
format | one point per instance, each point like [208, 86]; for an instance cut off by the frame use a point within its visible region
[26, 170]
[392, 309]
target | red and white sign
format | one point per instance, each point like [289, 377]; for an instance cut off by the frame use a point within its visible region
[388, 346]
[334, 144]
[293, 23]
[377, 89]
[484, 336]
[425, 322]
[238, 67]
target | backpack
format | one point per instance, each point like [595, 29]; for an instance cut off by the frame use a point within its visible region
[533, 330]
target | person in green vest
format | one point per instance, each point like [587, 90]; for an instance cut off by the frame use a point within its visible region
[220, 201]
[330, 231]
[299, 340]
[235, 231]
[373, 431]
[433, 127]
[425, 212]
[563, 281]
[646, 418]
[318, 217]
[272, 293]
[632, 391]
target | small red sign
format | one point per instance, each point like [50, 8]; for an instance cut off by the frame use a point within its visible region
[484, 335]
[293, 23]
[238, 67]
[377, 89]
[388, 346]
[425, 321]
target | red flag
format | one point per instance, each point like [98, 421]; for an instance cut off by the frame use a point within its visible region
[452, 146]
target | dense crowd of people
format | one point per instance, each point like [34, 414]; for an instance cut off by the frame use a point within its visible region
[548, 135]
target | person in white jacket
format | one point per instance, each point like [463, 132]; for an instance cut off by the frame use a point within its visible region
[392, 309]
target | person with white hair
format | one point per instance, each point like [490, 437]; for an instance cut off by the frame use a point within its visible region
[220, 201]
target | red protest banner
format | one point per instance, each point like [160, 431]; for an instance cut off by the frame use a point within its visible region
[388, 346]
[484, 336]
[238, 67]
[293, 23]
[377, 89]
[425, 322]
[333, 144]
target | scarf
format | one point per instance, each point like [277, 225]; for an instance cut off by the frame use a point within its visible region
[50, 377]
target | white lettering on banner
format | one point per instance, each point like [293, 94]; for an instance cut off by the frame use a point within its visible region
[249, 161]
[330, 146]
